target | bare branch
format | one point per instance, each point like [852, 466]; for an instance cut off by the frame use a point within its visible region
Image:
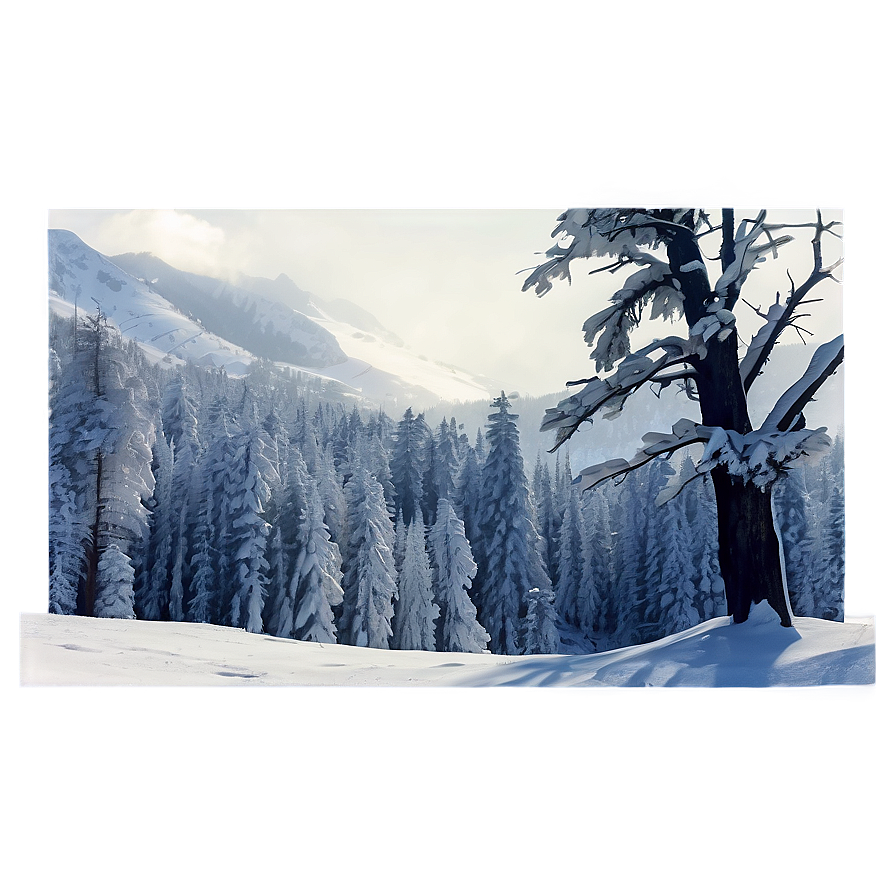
[798, 295]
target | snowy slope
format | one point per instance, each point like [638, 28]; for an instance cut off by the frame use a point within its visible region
[177, 315]
[284, 290]
[381, 366]
[268, 328]
[82, 277]
[74, 650]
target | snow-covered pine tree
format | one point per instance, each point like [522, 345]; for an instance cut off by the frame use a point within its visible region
[445, 463]
[68, 532]
[415, 610]
[115, 584]
[409, 463]
[541, 623]
[318, 576]
[742, 459]
[570, 569]
[180, 423]
[550, 519]
[102, 432]
[511, 562]
[595, 585]
[678, 591]
[466, 499]
[329, 486]
[630, 568]
[204, 602]
[286, 542]
[453, 571]
[401, 541]
[376, 459]
[277, 439]
[702, 526]
[829, 585]
[370, 577]
[660, 573]
[247, 493]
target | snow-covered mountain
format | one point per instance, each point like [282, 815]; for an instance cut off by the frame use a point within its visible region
[265, 327]
[176, 315]
[81, 278]
[282, 289]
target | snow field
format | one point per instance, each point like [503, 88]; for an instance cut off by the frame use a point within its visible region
[74, 650]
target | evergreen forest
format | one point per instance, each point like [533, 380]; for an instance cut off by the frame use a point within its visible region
[267, 503]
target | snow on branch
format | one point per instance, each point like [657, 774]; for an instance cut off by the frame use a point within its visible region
[685, 432]
[654, 281]
[609, 395]
[789, 407]
[759, 457]
[593, 232]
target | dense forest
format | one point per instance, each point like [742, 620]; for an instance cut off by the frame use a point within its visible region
[262, 503]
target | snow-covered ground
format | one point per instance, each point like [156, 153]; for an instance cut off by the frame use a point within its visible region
[59, 650]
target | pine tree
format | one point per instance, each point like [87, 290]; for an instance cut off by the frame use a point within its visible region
[549, 521]
[286, 543]
[541, 623]
[630, 566]
[204, 601]
[594, 591]
[68, 531]
[247, 493]
[115, 591]
[831, 571]
[409, 463]
[678, 591]
[329, 487]
[67, 534]
[659, 572]
[415, 611]
[454, 570]
[569, 584]
[369, 581]
[102, 432]
[703, 534]
[318, 577]
[467, 500]
[213, 578]
[512, 561]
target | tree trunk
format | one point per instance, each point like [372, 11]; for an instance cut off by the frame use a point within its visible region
[749, 555]
[749, 552]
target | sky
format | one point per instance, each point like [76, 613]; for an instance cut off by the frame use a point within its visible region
[447, 281]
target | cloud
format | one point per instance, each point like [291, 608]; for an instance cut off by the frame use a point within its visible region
[179, 238]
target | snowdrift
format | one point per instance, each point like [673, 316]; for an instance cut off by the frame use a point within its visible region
[73, 650]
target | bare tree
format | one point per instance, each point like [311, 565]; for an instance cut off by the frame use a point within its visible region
[743, 462]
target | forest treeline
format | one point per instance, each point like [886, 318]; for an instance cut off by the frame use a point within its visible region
[263, 504]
